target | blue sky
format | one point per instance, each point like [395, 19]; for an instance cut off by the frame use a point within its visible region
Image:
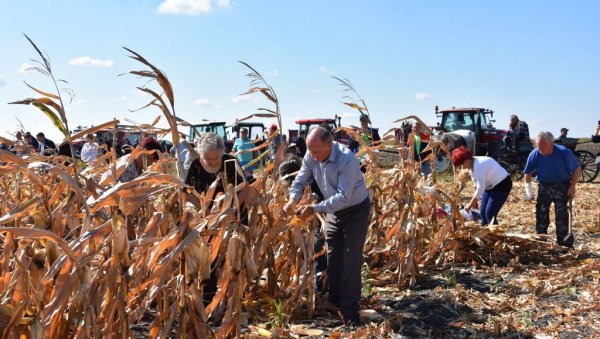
[538, 59]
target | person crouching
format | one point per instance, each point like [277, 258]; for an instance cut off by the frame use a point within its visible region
[492, 183]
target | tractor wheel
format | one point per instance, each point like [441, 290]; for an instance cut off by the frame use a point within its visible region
[441, 163]
[589, 169]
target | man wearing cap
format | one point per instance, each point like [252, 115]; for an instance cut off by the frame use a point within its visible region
[241, 144]
[275, 143]
[368, 134]
[557, 173]
[563, 133]
[346, 206]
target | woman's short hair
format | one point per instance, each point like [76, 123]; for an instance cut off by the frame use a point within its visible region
[210, 141]
[149, 144]
[460, 155]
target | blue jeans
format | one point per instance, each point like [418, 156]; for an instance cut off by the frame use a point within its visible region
[426, 167]
[491, 203]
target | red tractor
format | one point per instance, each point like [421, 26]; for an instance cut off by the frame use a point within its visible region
[478, 120]
[306, 124]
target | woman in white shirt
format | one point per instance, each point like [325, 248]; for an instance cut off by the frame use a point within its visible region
[492, 183]
[89, 151]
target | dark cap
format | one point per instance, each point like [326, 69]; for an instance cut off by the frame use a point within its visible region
[364, 117]
[564, 129]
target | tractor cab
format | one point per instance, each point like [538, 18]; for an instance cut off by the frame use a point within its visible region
[204, 126]
[256, 130]
[476, 120]
[306, 124]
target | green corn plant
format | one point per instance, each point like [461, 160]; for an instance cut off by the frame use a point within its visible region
[51, 104]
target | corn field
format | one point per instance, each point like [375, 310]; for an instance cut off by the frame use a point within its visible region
[85, 256]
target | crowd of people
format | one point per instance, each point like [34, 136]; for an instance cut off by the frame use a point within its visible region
[25, 144]
[336, 177]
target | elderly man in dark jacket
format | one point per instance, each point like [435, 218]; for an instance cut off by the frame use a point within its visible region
[47, 146]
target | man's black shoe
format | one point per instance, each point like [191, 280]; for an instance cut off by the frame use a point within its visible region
[352, 322]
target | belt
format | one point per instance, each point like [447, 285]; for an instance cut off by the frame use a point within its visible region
[556, 183]
[354, 207]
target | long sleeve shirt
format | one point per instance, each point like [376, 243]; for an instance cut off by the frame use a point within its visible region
[487, 173]
[339, 178]
[89, 152]
[520, 133]
[274, 146]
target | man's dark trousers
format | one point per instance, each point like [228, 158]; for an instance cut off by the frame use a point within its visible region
[345, 234]
[559, 195]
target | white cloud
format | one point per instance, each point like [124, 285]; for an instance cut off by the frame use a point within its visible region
[326, 70]
[186, 7]
[273, 73]
[122, 98]
[206, 103]
[349, 115]
[421, 96]
[2, 81]
[80, 101]
[242, 98]
[224, 3]
[537, 122]
[87, 61]
[141, 94]
[24, 68]
[316, 91]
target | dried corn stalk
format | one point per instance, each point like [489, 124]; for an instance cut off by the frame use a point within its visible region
[84, 258]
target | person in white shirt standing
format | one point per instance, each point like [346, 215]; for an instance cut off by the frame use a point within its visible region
[492, 183]
[89, 151]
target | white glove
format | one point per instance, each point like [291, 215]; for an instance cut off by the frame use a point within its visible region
[528, 191]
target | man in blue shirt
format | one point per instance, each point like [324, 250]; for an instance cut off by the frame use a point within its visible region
[346, 203]
[557, 173]
[275, 143]
[241, 144]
